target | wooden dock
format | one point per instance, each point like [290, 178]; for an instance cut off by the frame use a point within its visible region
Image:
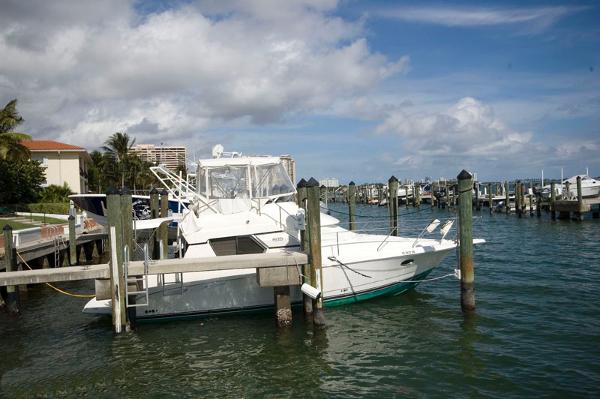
[266, 261]
[50, 246]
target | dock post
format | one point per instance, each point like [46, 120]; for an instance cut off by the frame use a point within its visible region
[530, 198]
[314, 226]
[127, 221]
[566, 194]
[417, 195]
[477, 204]
[117, 277]
[393, 205]
[305, 244]
[447, 201]
[506, 197]
[283, 306]
[518, 189]
[578, 215]
[72, 241]
[10, 264]
[153, 248]
[538, 204]
[127, 216]
[163, 230]
[465, 225]
[552, 199]
[351, 205]
[490, 197]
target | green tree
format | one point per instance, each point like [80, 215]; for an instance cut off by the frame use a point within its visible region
[97, 178]
[55, 193]
[20, 181]
[10, 141]
[118, 147]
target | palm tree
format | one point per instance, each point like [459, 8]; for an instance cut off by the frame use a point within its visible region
[117, 147]
[10, 141]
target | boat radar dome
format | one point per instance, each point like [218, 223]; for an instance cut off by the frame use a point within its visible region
[217, 151]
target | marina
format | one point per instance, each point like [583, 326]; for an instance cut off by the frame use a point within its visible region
[300, 199]
[507, 348]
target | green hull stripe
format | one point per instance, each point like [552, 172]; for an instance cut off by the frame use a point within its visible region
[393, 289]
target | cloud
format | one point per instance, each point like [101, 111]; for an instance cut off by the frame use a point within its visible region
[537, 19]
[467, 129]
[83, 70]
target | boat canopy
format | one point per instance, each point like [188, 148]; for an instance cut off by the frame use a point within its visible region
[243, 178]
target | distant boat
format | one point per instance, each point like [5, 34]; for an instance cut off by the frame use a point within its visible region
[590, 187]
[95, 206]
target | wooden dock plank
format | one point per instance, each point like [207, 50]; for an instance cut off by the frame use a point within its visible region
[230, 262]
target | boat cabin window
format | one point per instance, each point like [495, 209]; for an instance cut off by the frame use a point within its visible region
[227, 182]
[235, 246]
[269, 180]
[244, 181]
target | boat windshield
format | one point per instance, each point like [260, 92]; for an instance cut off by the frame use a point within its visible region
[245, 181]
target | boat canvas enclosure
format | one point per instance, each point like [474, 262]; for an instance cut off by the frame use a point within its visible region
[244, 178]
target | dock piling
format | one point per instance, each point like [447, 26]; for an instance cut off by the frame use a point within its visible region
[163, 230]
[117, 276]
[283, 306]
[314, 227]
[490, 197]
[506, 198]
[305, 243]
[351, 205]
[465, 225]
[518, 206]
[552, 200]
[578, 215]
[72, 241]
[10, 263]
[393, 204]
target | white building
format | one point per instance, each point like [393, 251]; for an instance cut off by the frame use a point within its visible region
[290, 166]
[170, 156]
[62, 163]
[329, 182]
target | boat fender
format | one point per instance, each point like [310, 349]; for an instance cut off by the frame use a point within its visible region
[311, 291]
[300, 219]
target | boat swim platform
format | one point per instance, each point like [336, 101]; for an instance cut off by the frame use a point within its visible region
[281, 268]
[41, 248]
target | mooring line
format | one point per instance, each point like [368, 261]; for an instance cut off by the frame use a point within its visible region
[56, 288]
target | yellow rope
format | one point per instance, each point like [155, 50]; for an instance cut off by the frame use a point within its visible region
[56, 288]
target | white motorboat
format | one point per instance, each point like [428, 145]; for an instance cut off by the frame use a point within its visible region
[590, 187]
[246, 205]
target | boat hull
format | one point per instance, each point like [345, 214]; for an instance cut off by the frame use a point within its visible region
[225, 292]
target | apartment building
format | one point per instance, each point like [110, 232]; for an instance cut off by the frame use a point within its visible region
[170, 156]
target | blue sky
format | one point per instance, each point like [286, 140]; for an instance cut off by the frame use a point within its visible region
[357, 90]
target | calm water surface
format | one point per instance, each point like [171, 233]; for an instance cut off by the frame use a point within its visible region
[536, 332]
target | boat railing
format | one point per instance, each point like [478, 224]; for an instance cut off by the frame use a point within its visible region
[180, 188]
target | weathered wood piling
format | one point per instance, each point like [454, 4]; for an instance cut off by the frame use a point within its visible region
[351, 206]
[393, 205]
[10, 261]
[465, 225]
[314, 227]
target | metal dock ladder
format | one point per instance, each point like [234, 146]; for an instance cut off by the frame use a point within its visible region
[139, 282]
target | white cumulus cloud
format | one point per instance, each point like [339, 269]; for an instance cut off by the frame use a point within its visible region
[84, 69]
[468, 128]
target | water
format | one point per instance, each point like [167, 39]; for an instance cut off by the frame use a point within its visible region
[536, 332]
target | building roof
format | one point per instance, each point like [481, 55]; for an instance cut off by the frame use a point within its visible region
[50, 145]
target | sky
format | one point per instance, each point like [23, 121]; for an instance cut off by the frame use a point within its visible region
[356, 90]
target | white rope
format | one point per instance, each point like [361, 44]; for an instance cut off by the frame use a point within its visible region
[429, 279]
